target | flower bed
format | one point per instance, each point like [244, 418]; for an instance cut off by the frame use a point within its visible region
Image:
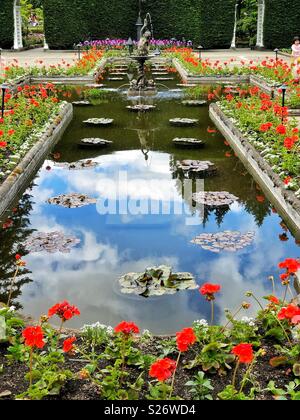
[244, 359]
[206, 67]
[273, 73]
[265, 125]
[25, 117]
[83, 67]
[122, 43]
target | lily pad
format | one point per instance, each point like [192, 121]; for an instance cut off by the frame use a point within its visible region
[99, 121]
[194, 103]
[141, 108]
[183, 122]
[188, 142]
[77, 166]
[196, 168]
[230, 241]
[81, 103]
[73, 200]
[94, 142]
[215, 199]
[51, 242]
[156, 281]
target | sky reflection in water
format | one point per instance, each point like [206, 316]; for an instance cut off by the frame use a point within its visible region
[112, 246]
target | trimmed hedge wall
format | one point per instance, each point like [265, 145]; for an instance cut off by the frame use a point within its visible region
[210, 23]
[282, 23]
[6, 24]
[217, 23]
[175, 19]
[68, 22]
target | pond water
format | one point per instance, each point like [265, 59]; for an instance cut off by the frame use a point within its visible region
[116, 244]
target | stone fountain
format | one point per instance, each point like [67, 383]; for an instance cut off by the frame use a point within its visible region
[142, 84]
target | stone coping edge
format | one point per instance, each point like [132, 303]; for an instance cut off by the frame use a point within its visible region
[18, 180]
[286, 201]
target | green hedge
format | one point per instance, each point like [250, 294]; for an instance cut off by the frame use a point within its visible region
[217, 23]
[210, 23]
[68, 22]
[6, 24]
[175, 19]
[282, 23]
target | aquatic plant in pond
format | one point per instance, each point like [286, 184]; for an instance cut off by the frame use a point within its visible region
[156, 281]
[50, 242]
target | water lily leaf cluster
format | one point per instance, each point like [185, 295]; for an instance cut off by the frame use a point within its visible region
[156, 281]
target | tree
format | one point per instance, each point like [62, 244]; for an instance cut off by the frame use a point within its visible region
[247, 21]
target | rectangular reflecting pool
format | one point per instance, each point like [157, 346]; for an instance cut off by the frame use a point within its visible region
[142, 216]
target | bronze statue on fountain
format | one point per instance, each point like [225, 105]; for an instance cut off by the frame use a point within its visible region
[142, 84]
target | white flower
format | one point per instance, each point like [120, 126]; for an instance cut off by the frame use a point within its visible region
[249, 321]
[296, 334]
[98, 326]
[201, 323]
[109, 330]
[147, 334]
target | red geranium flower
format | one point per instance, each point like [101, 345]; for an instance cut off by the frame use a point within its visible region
[68, 345]
[265, 127]
[209, 290]
[287, 180]
[185, 339]
[289, 313]
[289, 143]
[162, 369]
[229, 97]
[3, 144]
[244, 352]
[127, 328]
[64, 310]
[281, 129]
[273, 299]
[34, 337]
[291, 265]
